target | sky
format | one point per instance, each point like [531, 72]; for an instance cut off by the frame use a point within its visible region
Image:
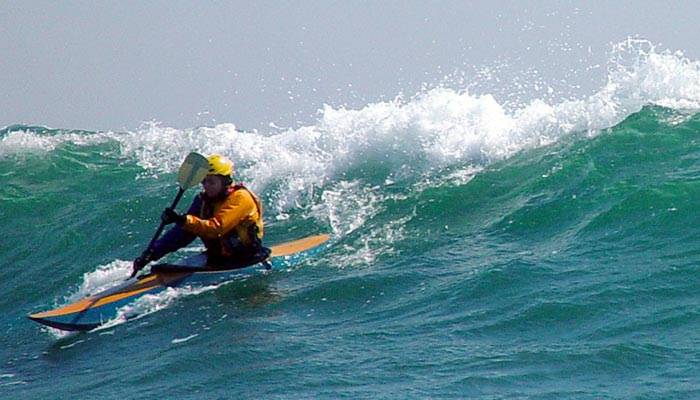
[270, 65]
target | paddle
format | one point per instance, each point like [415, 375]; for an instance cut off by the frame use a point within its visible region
[192, 172]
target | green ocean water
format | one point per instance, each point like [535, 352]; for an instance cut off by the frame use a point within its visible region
[566, 269]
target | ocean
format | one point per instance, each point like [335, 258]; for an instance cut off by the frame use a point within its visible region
[480, 250]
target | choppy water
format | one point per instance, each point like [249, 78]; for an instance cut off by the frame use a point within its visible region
[549, 251]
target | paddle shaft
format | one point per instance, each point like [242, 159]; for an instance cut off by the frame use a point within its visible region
[160, 228]
[162, 224]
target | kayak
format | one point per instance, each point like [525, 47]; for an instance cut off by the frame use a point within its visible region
[95, 310]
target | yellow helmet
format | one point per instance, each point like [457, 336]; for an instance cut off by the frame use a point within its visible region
[220, 165]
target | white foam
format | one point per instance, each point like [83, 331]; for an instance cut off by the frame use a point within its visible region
[185, 339]
[27, 141]
[18, 142]
[103, 278]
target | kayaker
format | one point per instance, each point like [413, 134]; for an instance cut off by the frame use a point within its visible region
[227, 217]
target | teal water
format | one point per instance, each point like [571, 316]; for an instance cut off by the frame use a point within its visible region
[550, 253]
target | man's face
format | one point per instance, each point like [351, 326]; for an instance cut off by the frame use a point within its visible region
[213, 186]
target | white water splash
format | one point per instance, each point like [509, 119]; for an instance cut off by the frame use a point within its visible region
[104, 277]
[26, 141]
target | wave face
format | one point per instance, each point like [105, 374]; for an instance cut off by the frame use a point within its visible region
[479, 250]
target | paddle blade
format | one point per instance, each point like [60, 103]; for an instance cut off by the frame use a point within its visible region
[192, 170]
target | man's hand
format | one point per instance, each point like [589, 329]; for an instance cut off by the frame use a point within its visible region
[169, 216]
[141, 261]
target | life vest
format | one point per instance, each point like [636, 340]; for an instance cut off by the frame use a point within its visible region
[244, 239]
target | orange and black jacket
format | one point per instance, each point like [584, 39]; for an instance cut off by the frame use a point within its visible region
[231, 226]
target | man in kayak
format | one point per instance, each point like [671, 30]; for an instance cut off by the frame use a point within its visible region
[227, 217]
